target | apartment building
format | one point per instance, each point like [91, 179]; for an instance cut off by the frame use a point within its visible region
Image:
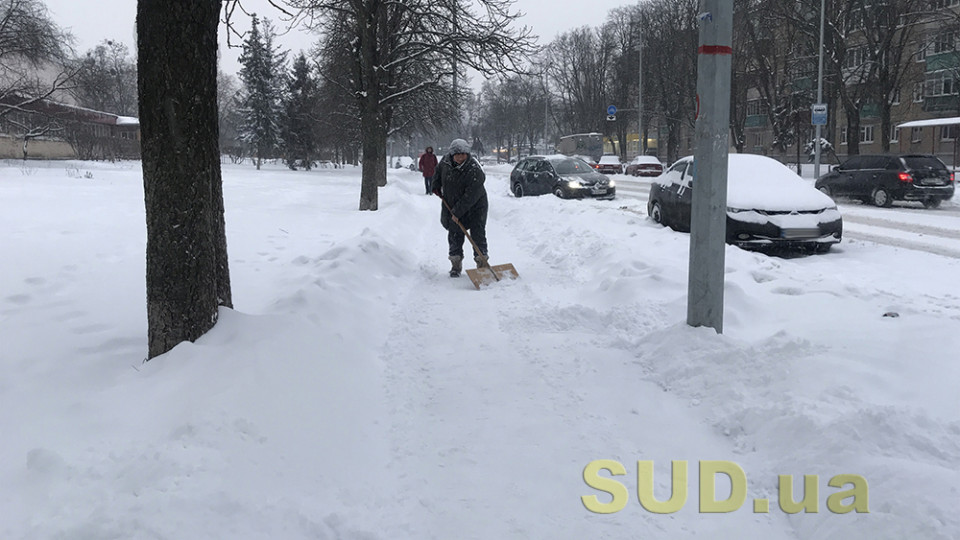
[924, 108]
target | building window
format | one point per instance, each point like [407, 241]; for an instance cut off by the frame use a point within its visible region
[945, 42]
[916, 134]
[855, 57]
[866, 134]
[940, 83]
[948, 133]
[843, 135]
[894, 134]
[918, 93]
[756, 107]
[941, 4]
[895, 98]
[757, 140]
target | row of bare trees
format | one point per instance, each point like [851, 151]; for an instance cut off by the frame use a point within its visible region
[872, 50]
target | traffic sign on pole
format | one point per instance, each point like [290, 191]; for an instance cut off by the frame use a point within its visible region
[818, 113]
[611, 117]
[612, 109]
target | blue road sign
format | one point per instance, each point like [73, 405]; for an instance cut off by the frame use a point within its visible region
[612, 109]
[818, 113]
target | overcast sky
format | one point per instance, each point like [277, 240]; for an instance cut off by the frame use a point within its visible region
[92, 22]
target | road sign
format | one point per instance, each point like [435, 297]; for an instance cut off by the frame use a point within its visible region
[818, 113]
[612, 110]
[611, 117]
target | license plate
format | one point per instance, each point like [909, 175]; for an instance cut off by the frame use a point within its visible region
[599, 191]
[932, 182]
[799, 233]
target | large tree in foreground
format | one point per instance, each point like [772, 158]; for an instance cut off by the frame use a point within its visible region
[187, 274]
[391, 41]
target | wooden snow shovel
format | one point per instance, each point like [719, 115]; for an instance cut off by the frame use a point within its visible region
[486, 274]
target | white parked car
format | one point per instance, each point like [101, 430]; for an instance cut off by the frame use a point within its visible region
[768, 205]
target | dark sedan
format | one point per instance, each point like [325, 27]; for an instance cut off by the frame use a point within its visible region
[768, 205]
[566, 177]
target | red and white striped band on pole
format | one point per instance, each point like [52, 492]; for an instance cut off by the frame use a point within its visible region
[714, 49]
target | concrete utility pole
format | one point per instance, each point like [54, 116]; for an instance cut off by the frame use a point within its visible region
[708, 215]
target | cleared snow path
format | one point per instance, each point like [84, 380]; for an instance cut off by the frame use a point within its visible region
[527, 347]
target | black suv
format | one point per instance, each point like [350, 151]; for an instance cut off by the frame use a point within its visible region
[880, 180]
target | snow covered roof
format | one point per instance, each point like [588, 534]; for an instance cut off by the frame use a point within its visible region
[128, 121]
[932, 122]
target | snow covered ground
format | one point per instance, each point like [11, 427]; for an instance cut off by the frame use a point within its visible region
[357, 392]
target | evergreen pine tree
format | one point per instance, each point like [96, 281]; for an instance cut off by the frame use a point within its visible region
[299, 133]
[260, 100]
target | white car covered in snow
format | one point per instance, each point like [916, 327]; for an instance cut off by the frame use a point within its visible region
[768, 205]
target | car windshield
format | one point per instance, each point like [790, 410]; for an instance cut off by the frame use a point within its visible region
[571, 166]
[923, 162]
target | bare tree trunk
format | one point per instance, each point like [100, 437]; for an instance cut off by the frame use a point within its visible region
[187, 273]
[374, 141]
[853, 132]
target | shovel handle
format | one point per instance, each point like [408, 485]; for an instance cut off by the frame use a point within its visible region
[465, 233]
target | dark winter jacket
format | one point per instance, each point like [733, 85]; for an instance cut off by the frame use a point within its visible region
[462, 188]
[428, 164]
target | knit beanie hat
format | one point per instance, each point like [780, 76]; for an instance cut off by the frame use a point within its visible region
[459, 146]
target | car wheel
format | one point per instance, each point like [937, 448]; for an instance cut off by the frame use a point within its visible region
[558, 191]
[517, 190]
[825, 190]
[656, 213]
[931, 203]
[881, 197]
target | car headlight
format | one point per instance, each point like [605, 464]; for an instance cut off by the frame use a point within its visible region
[612, 184]
[573, 184]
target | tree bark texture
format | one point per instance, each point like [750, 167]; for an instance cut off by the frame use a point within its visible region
[374, 172]
[373, 134]
[187, 271]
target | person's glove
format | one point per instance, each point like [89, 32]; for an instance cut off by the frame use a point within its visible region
[437, 192]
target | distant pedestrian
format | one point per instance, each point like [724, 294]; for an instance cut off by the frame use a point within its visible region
[459, 181]
[428, 166]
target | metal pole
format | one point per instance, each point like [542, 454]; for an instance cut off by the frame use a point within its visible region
[816, 159]
[546, 103]
[708, 223]
[641, 140]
